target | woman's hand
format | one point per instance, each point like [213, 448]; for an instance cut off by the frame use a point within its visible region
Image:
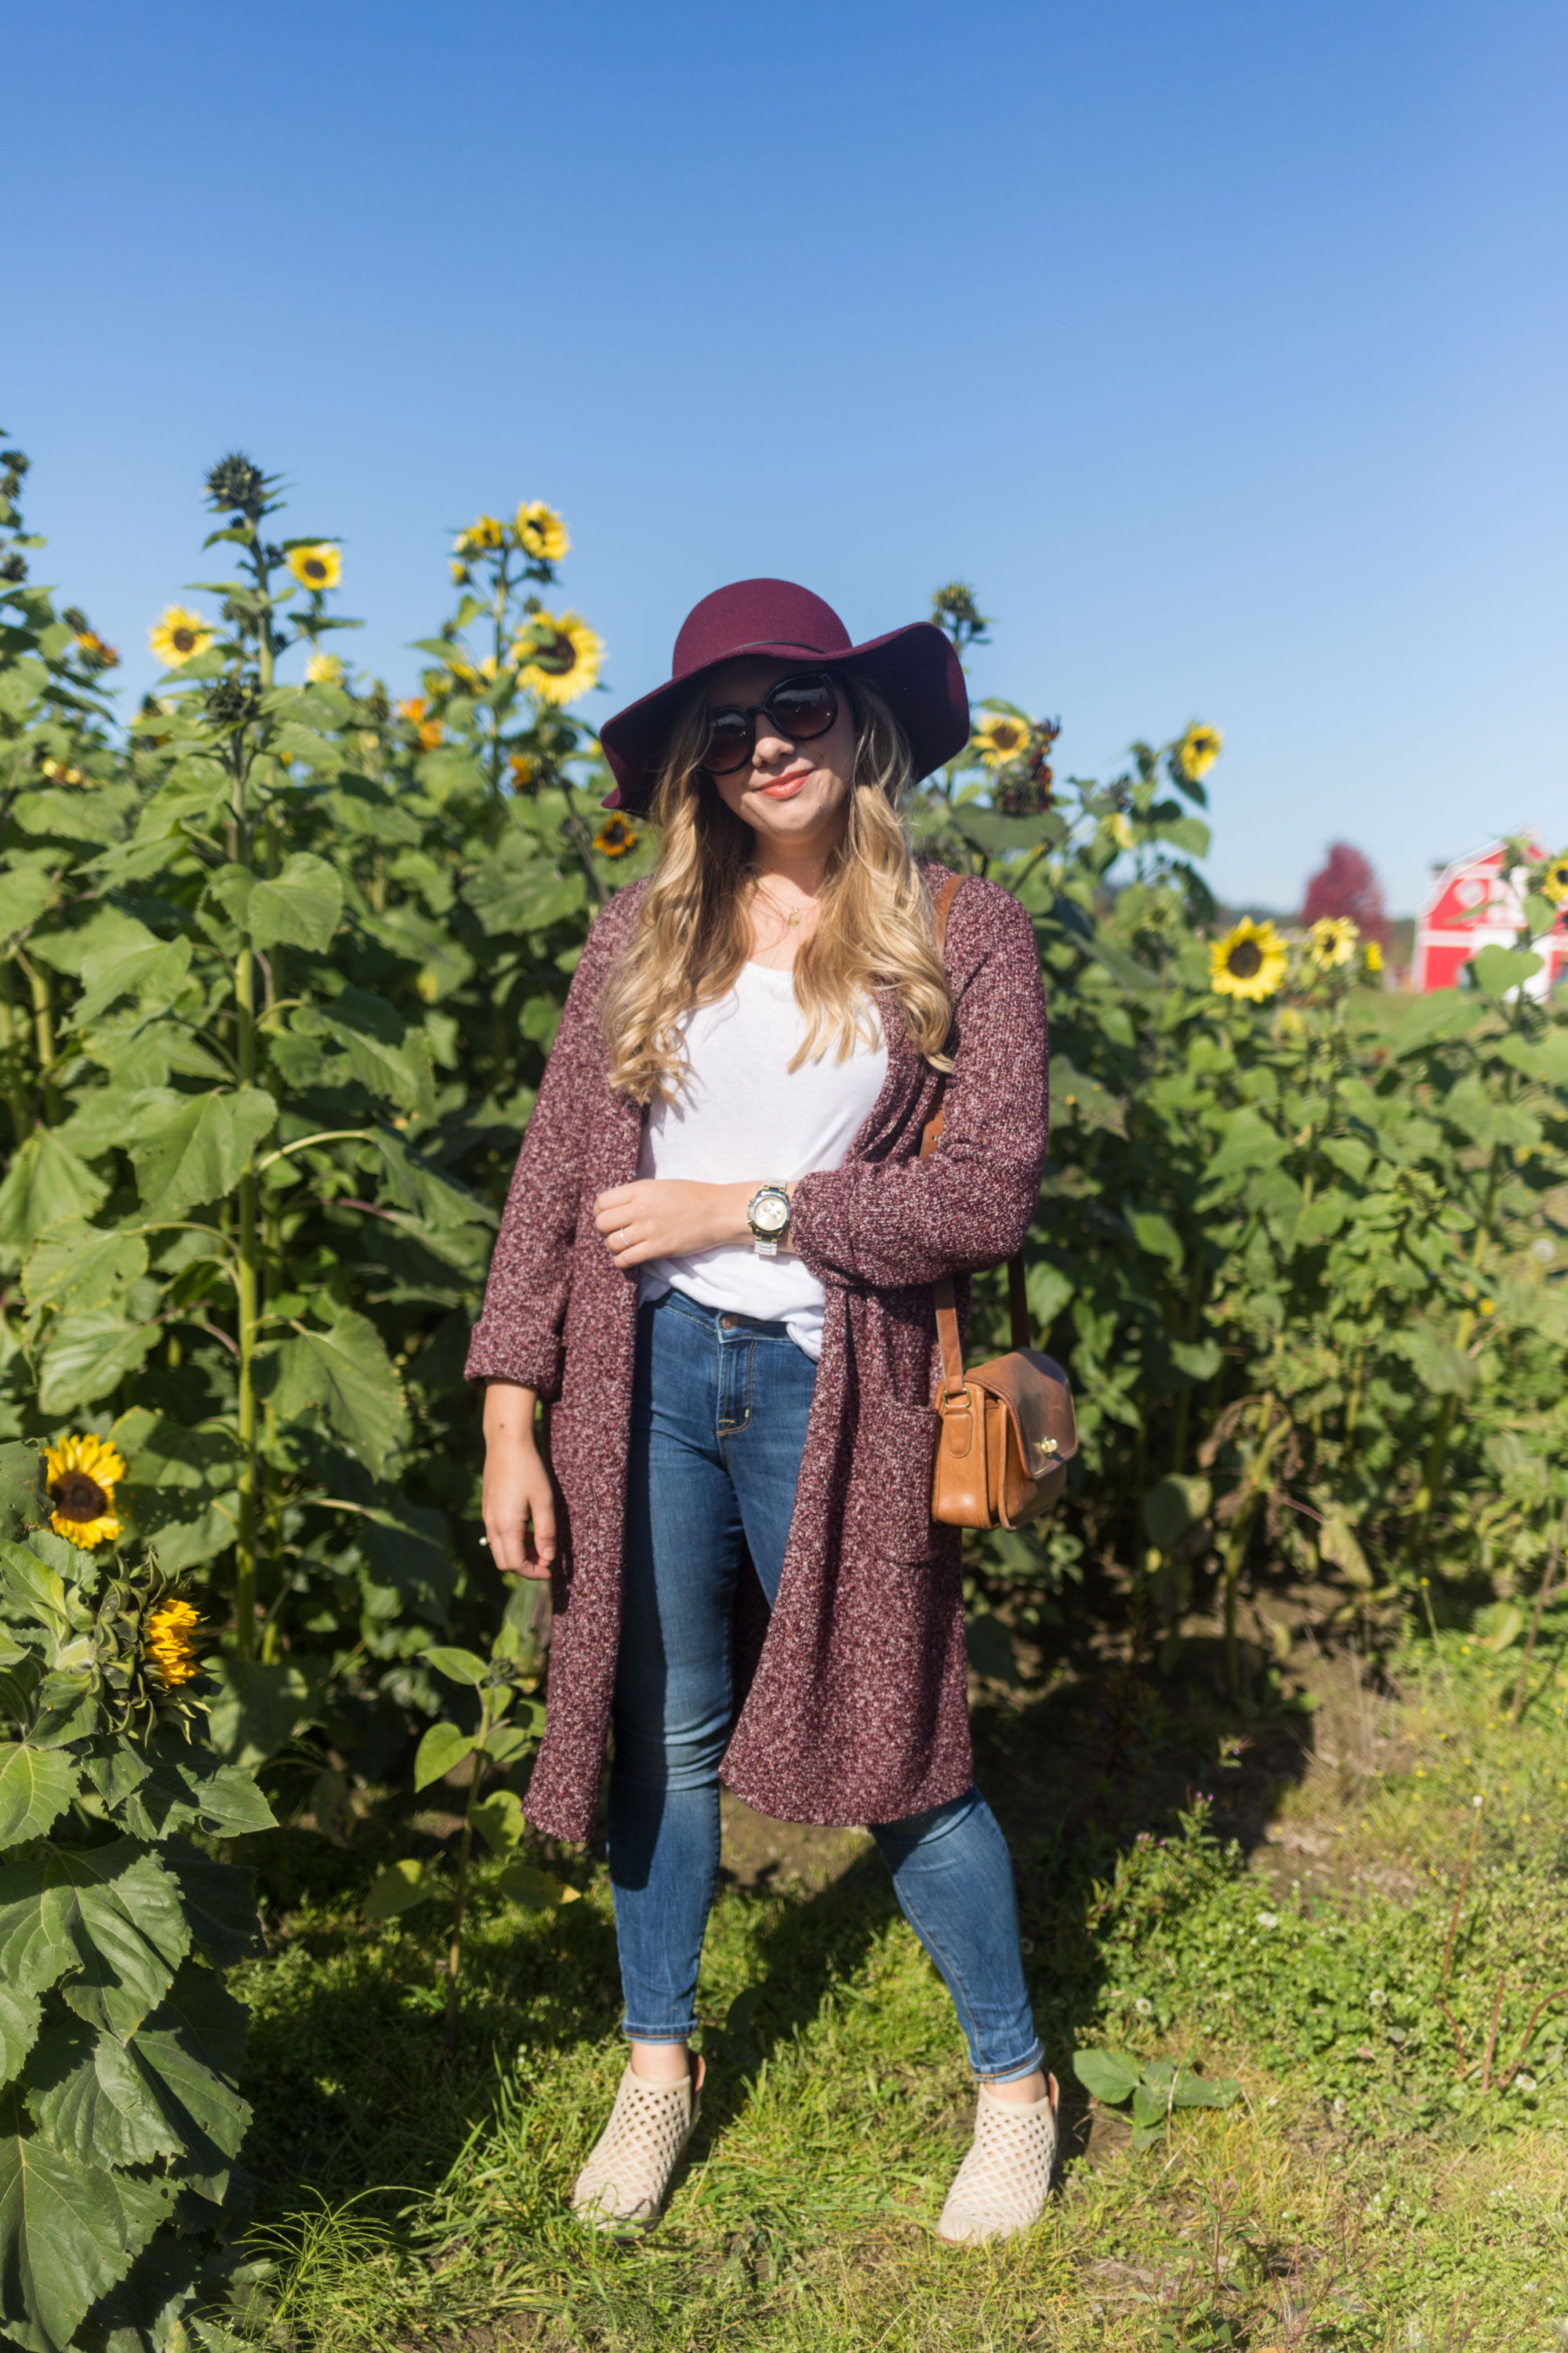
[517, 1487]
[670, 1216]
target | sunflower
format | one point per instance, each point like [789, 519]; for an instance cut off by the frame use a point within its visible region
[541, 532]
[80, 1474]
[524, 770]
[1250, 961]
[1372, 955]
[169, 1646]
[1332, 941]
[316, 567]
[1000, 738]
[489, 532]
[96, 652]
[1197, 753]
[428, 732]
[1554, 879]
[559, 660]
[179, 636]
[615, 837]
[323, 669]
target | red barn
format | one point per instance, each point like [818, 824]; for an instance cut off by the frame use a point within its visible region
[1473, 904]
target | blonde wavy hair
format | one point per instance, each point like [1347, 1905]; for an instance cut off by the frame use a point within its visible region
[693, 931]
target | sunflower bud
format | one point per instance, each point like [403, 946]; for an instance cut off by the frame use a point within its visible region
[14, 568]
[238, 481]
[231, 704]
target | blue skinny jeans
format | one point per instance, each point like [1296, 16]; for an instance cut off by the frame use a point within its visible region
[719, 1416]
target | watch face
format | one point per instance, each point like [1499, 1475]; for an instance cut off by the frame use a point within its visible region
[771, 1215]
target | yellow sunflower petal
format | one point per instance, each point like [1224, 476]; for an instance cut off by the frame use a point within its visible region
[318, 567]
[558, 658]
[178, 636]
[1197, 753]
[1249, 962]
[541, 531]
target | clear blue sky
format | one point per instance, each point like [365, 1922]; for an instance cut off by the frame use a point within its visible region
[1219, 343]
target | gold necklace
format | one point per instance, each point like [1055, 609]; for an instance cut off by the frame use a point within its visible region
[788, 921]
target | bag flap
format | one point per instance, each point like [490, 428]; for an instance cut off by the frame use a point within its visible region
[1037, 1396]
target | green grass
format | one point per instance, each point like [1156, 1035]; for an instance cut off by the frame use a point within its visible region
[1361, 2194]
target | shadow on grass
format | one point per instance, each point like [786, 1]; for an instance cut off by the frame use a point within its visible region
[345, 2073]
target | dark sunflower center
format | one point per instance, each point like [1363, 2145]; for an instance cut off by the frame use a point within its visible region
[315, 568]
[1245, 960]
[557, 655]
[185, 641]
[76, 1497]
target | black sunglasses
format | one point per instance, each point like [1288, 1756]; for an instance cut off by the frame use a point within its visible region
[798, 709]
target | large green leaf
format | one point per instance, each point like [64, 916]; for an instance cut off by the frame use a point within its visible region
[75, 1265]
[37, 1785]
[399, 1888]
[1247, 1144]
[219, 1900]
[187, 1789]
[19, 2017]
[148, 967]
[45, 1183]
[259, 1706]
[87, 1355]
[109, 1914]
[63, 2238]
[519, 890]
[385, 1054]
[1111, 2075]
[442, 1748]
[348, 1370]
[24, 892]
[1172, 1506]
[302, 905]
[190, 1148]
[1500, 971]
[92, 2100]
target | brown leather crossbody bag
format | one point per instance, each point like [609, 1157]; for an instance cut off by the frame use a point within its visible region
[1009, 1431]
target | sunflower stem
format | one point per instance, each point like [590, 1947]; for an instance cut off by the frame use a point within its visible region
[460, 1899]
[248, 1269]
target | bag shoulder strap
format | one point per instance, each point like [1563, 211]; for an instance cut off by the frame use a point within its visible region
[946, 1305]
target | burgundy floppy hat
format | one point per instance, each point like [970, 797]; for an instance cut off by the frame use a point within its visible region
[914, 668]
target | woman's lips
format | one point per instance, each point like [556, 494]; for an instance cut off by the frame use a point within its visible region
[785, 788]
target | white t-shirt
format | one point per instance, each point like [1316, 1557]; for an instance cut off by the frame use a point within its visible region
[743, 1113]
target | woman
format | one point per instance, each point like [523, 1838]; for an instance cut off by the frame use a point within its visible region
[716, 1263]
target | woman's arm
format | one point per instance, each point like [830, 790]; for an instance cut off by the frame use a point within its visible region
[518, 1336]
[901, 1222]
[518, 1486]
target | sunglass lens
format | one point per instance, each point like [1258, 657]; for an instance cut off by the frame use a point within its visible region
[728, 743]
[802, 707]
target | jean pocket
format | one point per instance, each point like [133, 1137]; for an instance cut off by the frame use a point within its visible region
[889, 1508]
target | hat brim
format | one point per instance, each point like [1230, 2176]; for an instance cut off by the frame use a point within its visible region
[915, 669]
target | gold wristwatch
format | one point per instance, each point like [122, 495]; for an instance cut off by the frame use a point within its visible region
[768, 1215]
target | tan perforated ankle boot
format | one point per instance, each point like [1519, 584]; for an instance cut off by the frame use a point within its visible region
[627, 2178]
[1003, 2182]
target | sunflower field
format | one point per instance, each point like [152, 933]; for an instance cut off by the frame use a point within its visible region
[281, 957]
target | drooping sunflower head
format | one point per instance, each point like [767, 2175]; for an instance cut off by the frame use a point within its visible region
[1249, 962]
[1331, 941]
[1000, 738]
[489, 531]
[80, 1474]
[323, 669]
[1197, 753]
[95, 651]
[558, 658]
[1554, 879]
[317, 568]
[524, 771]
[541, 532]
[615, 837]
[169, 1644]
[178, 636]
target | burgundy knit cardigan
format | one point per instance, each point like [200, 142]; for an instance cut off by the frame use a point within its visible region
[855, 1710]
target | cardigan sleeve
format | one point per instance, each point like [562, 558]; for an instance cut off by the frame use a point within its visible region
[518, 1335]
[890, 1222]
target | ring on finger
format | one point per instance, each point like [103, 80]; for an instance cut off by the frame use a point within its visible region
[621, 1234]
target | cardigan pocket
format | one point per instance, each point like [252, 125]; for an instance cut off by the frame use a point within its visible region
[889, 1504]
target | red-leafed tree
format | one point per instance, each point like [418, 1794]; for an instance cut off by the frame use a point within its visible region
[1344, 884]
